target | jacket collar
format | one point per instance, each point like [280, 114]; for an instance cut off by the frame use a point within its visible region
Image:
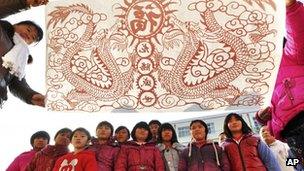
[55, 150]
[175, 145]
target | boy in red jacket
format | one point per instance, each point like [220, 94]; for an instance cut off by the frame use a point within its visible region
[45, 159]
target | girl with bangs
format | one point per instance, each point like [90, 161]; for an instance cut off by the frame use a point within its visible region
[140, 153]
[169, 147]
[245, 150]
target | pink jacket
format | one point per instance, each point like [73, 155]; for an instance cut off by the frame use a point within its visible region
[288, 96]
[20, 163]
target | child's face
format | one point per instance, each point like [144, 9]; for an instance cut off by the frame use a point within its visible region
[63, 139]
[234, 124]
[266, 134]
[122, 135]
[40, 143]
[79, 140]
[141, 134]
[103, 132]
[166, 134]
[154, 129]
[27, 32]
[198, 131]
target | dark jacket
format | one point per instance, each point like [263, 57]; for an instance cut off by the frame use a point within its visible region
[18, 88]
[9, 7]
[45, 159]
[204, 158]
[134, 157]
[250, 154]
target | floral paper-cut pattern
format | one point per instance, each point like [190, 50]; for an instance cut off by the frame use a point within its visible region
[148, 55]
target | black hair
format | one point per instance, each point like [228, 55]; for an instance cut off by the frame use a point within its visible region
[106, 123]
[245, 128]
[141, 125]
[163, 127]
[40, 134]
[63, 130]
[30, 59]
[154, 122]
[80, 129]
[202, 123]
[37, 27]
[121, 128]
[222, 133]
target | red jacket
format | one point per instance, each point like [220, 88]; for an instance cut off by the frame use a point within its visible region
[106, 154]
[82, 161]
[45, 159]
[134, 157]
[244, 156]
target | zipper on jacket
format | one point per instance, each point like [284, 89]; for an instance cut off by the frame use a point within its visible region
[287, 86]
[240, 152]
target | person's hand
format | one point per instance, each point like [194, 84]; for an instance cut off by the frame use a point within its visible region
[35, 3]
[289, 2]
[38, 99]
[265, 114]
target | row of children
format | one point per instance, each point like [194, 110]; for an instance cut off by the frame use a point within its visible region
[241, 150]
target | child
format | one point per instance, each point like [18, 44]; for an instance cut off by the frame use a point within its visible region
[154, 125]
[14, 55]
[221, 138]
[279, 149]
[104, 147]
[202, 154]
[45, 159]
[169, 146]
[139, 154]
[80, 159]
[38, 141]
[17, 87]
[122, 134]
[244, 149]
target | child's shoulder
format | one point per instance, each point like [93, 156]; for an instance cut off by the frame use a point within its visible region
[87, 152]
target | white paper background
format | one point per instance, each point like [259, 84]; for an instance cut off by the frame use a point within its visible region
[234, 72]
[18, 120]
